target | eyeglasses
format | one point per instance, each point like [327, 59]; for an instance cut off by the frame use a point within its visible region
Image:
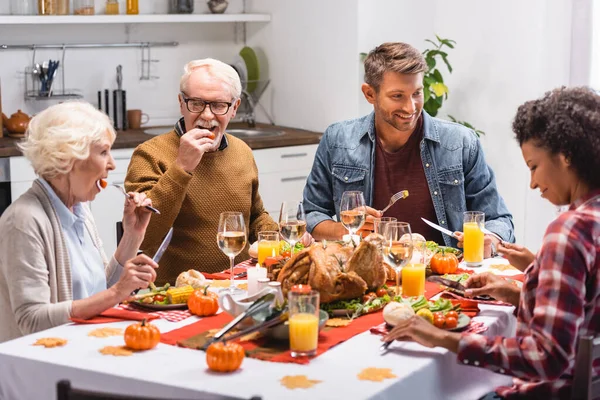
[198, 105]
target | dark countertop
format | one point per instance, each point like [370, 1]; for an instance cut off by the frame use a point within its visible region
[133, 137]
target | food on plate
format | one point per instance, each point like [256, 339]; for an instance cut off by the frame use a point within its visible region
[224, 357]
[179, 295]
[336, 271]
[395, 313]
[203, 303]
[443, 262]
[142, 336]
[426, 314]
[191, 277]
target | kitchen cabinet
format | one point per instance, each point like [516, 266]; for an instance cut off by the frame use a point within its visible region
[130, 19]
[282, 173]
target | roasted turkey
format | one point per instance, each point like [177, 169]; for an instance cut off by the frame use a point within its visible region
[336, 271]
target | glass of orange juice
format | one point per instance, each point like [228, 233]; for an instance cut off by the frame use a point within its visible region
[413, 274]
[473, 238]
[303, 308]
[268, 245]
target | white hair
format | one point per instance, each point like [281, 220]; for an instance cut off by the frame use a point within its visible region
[217, 68]
[62, 134]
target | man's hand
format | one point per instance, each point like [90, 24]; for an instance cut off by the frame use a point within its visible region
[368, 227]
[520, 257]
[492, 285]
[487, 243]
[192, 147]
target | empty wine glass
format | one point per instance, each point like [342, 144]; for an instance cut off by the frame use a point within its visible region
[231, 239]
[353, 211]
[397, 247]
[292, 222]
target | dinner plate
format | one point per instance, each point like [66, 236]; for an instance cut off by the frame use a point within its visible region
[463, 321]
[159, 307]
[251, 61]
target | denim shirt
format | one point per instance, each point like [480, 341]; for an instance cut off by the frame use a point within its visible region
[457, 175]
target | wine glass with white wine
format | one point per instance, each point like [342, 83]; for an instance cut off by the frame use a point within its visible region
[292, 223]
[231, 239]
[397, 247]
[353, 211]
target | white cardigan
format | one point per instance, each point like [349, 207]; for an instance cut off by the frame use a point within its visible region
[35, 272]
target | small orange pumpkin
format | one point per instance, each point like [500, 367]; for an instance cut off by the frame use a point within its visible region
[443, 263]
[224, 357]
[142, 336]
[203, 303]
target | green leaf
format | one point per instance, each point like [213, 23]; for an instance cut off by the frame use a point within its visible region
[430, 63]
[426, 96]
[447, 63]
[432, 42]
[428, 79]
[437, 75]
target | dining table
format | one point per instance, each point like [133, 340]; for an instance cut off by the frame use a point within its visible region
[173, 372]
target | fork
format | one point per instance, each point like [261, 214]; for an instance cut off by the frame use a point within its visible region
[398, 196]
[154, 210]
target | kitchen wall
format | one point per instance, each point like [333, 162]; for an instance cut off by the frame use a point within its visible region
[91, 70]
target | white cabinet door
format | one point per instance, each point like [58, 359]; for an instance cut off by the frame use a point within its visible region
[107, 209]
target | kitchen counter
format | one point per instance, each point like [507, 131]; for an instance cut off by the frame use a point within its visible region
[133, 137]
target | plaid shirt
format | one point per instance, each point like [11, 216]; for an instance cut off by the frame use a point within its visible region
[560, 301]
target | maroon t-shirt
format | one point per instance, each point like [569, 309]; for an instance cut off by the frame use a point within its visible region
[404, 170]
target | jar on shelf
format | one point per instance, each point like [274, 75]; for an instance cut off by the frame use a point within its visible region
[22, 7]
[112, 7]
[132, 7]
[181, 6]
[83, 7]
[47, 7]
[62, 7]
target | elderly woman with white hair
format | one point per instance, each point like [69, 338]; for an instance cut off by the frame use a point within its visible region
[52, 266]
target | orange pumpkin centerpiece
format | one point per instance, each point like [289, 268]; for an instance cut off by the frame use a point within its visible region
[203, 303]
[443, 263]
[142, 336]
[224, 357]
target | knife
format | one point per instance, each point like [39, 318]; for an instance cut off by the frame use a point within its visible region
[384, 347]
[163, 246]
[457, 287]
[439, 228]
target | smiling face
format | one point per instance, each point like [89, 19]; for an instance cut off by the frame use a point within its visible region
[205, 86]
[85, 173]
[551, 173]
[399, 100]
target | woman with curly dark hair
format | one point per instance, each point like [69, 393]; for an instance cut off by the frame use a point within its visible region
[559, 136]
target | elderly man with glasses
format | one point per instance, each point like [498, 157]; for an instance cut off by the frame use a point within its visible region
[196, 171]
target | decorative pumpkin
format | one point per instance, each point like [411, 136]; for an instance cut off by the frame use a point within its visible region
[142, 336]
[224, 357]
[443, 263]
[203, 303]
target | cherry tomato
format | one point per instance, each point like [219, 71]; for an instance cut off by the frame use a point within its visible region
[369, 296]
[438, 314]
[452, 314]
[439, 322]
[286, 254]
[381, 292]
[451, 322]
[159, 298]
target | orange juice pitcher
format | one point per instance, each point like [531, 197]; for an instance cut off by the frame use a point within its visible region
[473, 238]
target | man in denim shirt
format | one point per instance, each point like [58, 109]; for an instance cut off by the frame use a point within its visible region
[399, 146]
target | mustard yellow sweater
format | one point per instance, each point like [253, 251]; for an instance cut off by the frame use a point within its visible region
[224, 180]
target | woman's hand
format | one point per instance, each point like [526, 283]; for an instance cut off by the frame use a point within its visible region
[421, 331]
[135, 215]
[137, 273]
[492, 285]
[487, 243]
[518, 256]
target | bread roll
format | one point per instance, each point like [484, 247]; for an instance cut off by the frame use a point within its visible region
[191, 277]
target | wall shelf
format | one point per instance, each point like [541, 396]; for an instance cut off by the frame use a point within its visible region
[130, 19]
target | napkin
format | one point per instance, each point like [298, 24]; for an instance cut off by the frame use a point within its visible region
[115, 315]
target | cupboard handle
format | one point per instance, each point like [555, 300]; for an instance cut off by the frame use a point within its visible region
[291, 155]
[294, 178]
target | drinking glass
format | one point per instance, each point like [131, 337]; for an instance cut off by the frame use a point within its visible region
[231, 239]
[397, 247]
[413, 274]
[353, 211]
[292, 222]
[380, 223]
[303, 307]
[473, 238]
[268, 245]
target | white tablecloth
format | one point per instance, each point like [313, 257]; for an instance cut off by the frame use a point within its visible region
[31, 372]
